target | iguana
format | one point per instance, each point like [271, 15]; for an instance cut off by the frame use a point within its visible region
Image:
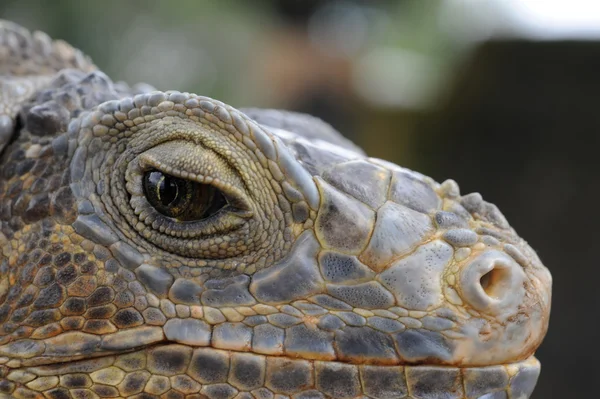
[166, 245]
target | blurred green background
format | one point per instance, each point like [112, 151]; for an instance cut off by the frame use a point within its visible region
[500, 95]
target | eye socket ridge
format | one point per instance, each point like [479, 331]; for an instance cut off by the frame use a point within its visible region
[182, 199]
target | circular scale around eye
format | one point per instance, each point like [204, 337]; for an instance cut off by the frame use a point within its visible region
[182, 199]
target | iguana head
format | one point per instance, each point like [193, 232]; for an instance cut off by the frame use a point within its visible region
[168, 244]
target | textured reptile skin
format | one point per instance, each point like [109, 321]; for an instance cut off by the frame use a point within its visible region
[327, 274]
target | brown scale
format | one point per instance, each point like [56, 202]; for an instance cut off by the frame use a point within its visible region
[52, 278]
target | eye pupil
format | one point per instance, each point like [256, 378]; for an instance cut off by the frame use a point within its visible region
[164, 190]
[167, 188]
[181, 199]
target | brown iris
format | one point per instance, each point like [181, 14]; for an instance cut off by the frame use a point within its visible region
[182, 199]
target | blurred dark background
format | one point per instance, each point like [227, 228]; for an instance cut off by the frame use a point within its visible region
[500, 95]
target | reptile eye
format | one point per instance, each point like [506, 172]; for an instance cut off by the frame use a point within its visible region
[182, 199]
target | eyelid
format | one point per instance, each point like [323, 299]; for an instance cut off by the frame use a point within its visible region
[231, 187]
[186, 159]
[233, 195]
[219, 175]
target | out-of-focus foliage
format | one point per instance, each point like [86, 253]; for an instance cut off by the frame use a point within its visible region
[351, 62]
[390, 53]
[345, 61]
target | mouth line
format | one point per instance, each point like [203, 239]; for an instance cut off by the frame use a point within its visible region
[58, 361]
[75, 346]
[208, 367]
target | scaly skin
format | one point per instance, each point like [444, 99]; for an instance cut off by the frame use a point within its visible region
[328, 274]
